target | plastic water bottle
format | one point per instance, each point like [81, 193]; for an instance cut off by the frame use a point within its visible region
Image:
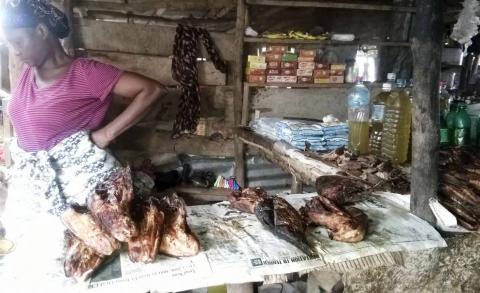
[397, 127]
[378, 113]
[358, 119]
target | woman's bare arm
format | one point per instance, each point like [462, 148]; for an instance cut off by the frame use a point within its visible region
[144, 92]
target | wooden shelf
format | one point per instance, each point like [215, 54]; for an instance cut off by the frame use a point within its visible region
[326, 42]
[336, 5]
[308, 85]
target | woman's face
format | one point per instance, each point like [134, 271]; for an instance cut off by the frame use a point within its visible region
[28, 44]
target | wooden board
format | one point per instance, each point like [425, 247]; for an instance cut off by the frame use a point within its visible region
[145, 139]
[142, 5]
[304, 172]
[136, 38]
[336, 5]
[158, 68]
[198, 195]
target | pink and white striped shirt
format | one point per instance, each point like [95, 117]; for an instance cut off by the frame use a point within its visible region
[42, 117]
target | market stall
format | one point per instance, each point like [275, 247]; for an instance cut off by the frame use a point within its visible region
[236, 248]
[371, 207]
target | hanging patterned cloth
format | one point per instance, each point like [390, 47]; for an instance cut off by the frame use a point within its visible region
[184, 71]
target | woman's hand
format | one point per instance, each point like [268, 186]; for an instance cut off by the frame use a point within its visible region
[100, 138]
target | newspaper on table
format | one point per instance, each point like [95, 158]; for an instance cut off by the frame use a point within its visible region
[236, 249]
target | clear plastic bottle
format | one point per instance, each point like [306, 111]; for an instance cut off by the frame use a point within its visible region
[378, 114]
[358, 117]
[397, 127]
[444, 100]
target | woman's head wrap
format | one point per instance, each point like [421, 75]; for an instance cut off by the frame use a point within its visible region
[29, 13]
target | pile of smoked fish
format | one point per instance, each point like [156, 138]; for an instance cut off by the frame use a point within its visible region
[381, 174]
[148, 225]
[459, 189]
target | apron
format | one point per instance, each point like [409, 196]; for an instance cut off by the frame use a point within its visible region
[64, 175]
[41, 185]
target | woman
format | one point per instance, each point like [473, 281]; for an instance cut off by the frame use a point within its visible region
[57, 108]
[59, 100]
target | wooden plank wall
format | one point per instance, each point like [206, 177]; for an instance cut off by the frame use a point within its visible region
[147, 49]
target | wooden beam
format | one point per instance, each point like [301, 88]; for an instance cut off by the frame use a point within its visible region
[15, 66]
[136, 38]
[326, 42]
[198, 195]
[427, 51]
[136, 5]
[221, 25]
[306, 170]
[297, 186]
[68, 44]
[4, 70]
[158, 68]
[240, 288]
[246, 105]
[336, 5]
[240, 166]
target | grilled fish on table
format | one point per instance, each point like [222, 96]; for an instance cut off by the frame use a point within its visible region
[284, 221]
[247, 199]
[178, 239]
[346, 224]
[150, 219]
[274, 213]
[80, 260]
[342, 189]
[110, 205]
[82, 224]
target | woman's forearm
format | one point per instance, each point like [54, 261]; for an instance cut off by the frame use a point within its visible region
[135, 112]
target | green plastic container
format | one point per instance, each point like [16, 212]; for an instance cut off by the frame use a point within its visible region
[450, 120]
[444, 133]
[462, 124]
[478, 132]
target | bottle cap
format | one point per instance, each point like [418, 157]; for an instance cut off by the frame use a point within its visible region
[391, 76]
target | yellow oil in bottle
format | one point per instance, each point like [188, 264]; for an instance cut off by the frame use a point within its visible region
[378, 114]
[396, 127]
[358, 137]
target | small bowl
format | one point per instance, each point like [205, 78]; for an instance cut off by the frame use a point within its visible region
[6, 246]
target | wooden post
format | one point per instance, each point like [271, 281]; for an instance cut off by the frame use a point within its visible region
[4, 72]
[237, 102]
[297, 185]
[246, 105]
[427, 52]
[67, 7]
[240, 288]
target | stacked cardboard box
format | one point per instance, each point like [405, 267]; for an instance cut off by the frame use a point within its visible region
[306, 65]
[256, 69]
[329, 73]
[337, 73]
[281, 65]
[321, 74]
